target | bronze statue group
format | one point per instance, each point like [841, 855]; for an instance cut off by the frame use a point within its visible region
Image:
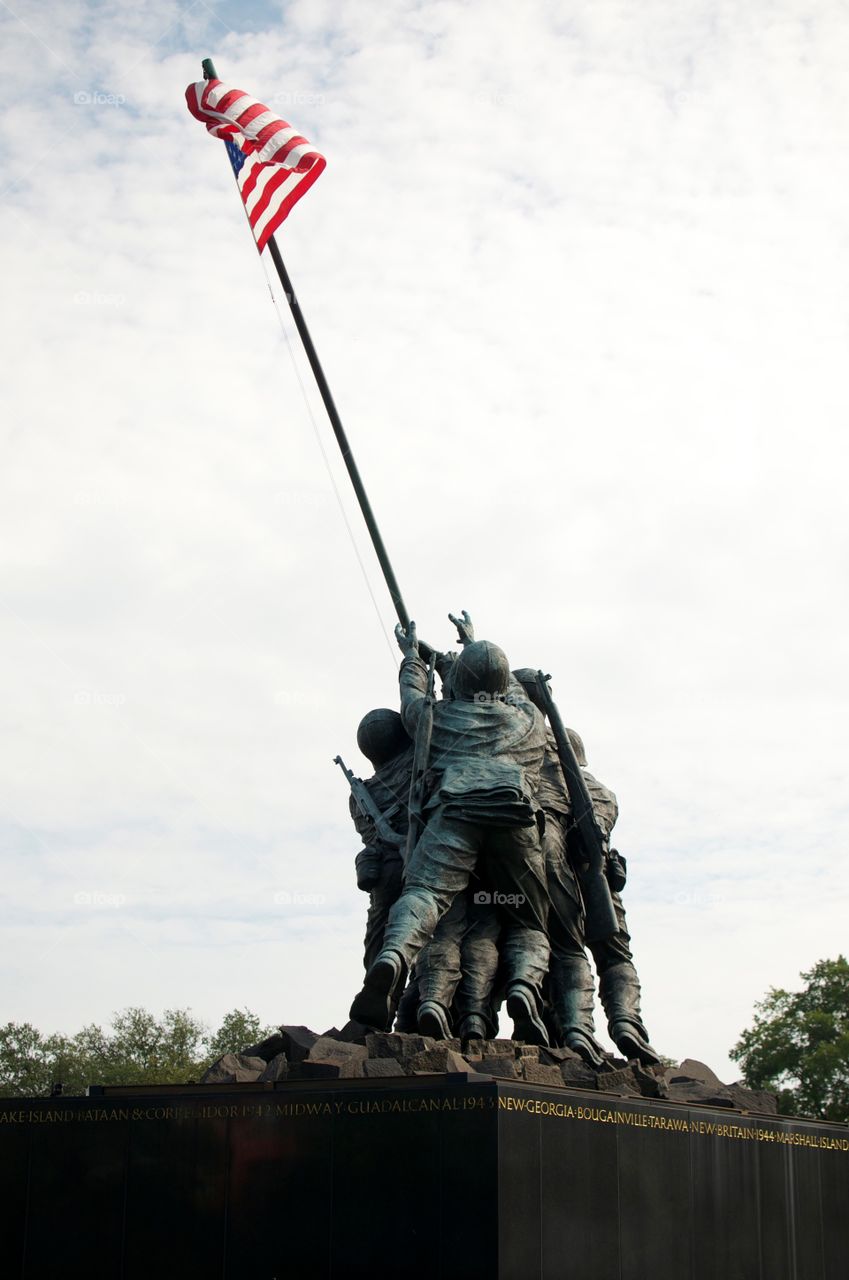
[487, 860]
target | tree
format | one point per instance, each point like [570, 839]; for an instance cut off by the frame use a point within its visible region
[798, 1046]
[137, 1049]
[240, 1030]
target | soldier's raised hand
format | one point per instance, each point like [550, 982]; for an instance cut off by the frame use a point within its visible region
[407, 642]
[465, 628]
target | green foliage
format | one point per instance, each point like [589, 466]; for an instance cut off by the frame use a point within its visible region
[239, 1030]
[799, 1044]
[137, 1049]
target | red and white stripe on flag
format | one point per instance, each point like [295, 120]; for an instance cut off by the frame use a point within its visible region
[279, 166]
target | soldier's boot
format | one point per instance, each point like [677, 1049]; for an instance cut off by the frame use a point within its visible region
[408, 1006]
[522, 1008]
[619, 989]
[473, 1027]
[373, 1006]
[433, 1020]
[572, 996]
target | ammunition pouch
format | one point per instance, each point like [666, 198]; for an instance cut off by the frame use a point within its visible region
[369, 865]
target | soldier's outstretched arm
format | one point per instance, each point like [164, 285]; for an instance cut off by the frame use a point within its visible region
[465, 628]
[412, 677]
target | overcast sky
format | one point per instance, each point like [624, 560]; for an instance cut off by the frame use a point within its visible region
[578, 276]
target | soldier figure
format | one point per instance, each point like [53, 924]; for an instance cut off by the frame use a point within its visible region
[619, 985]
[383, 740]
[571, 982]
[571, 985]
[481, 815]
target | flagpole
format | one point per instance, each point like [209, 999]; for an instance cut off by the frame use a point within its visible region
[209, 73]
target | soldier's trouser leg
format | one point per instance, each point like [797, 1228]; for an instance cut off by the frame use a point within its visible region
[525, 956]
[440, 868]
[513, 864]
[619, 988]
[615, 950]
[572, 989]
[381, 900]
[438, 962]
[479, 965]
[573, 996]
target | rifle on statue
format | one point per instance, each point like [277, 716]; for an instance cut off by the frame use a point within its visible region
[601, 921]
[368, 808]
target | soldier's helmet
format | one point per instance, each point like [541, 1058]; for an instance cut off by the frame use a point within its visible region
[527, 678]
[481, 669]
[578, 747]
[381, 735]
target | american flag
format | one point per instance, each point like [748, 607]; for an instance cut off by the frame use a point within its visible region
[273, 164]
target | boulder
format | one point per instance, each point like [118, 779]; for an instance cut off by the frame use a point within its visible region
[502, 1048]
[497, 1065]
[266, 1049]
[747, 1099]
[623, 1081]
[276, 1069]
[692, 1069]
[650, 1084]
[683, 1090]
[474, 1048]
[234, 1068]
[553, 1057]
[576, 1074]
[296, 1042]
[396, 1044]
[352, 1032]
[438, 1059]
[326, 1048]
[538, 1073]
[375, 1068]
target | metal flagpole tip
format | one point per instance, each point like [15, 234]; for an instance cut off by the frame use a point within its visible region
[208, 68]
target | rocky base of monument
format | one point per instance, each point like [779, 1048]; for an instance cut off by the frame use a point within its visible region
[297, 1054]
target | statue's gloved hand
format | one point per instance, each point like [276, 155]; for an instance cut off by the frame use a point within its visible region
[407, 640]
[369, 865]
[616, 870]
[465, 628]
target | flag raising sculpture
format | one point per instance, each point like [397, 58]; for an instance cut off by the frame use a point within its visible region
[507, 874]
